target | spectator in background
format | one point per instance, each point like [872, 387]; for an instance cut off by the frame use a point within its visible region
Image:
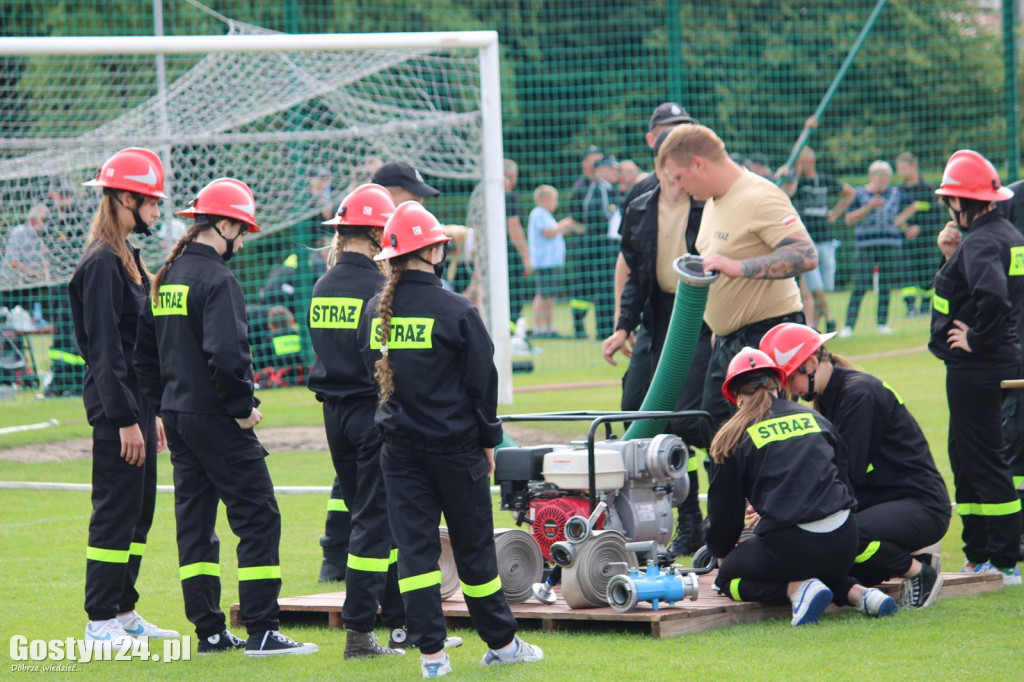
[519, 263]
[877, 244]
[576, 258]
[595, 277]
[920, 218]
[25, 256]
[759, 164]
[629, 173]
[320, 189]
[68, 221]
[547, 253]
[814, 196]
[403, 182]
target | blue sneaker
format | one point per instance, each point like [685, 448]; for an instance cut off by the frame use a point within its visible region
[436, 667]
[983, 567]
[876, 603]
[810, 601]
[137, 626]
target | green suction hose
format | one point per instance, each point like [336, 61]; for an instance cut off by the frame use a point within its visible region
[680, 344]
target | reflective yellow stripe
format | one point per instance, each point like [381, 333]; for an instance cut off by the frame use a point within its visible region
[172, 299]
[418, 582]
[201, 568]
[577, 304]
[868, 552]
[336, 505]
[287, 344]
[292, 261]
[259, 573]
[481, 591]
[335, 312]
[368, 564]
[922, 205]
[734, 589]
[871, 467]
[693, 464]
[910, 292]
[893, 391]
[1016, 260]
[1018, 481]
[940, 304]
[111, 556]
[782, 428]
[988, 509]
[393, 559]
[406, 332]
[137, 548]
[66, 357]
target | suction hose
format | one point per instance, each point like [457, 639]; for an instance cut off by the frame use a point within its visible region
[446, 562]
[585, 581]
[680, 344]
[520, 563]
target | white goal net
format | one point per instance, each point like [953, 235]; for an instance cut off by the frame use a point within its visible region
[274, 110]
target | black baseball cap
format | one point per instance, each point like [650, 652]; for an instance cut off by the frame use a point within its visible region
[668, 113]
[401, 174]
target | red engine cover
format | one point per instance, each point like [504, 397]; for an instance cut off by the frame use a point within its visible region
[549, 517]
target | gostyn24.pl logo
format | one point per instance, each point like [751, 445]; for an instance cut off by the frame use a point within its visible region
[65, 654]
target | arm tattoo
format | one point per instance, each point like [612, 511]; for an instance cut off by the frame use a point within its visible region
[791, 257]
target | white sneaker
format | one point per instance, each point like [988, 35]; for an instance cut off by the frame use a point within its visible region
[137, 626]
[438, 667]
[876, 603]
[846, 332]
[810, 601]
[884, 329]
[524, 653]
[107, 633]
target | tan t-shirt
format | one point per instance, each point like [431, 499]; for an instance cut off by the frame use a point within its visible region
[749, 220]
[673, 219]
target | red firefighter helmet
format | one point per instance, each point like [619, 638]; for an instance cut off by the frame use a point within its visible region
[410, 228]
[969, 175]
[225, 197]
[134, 170]
[790, 344]
[368, 205]
[746, 361]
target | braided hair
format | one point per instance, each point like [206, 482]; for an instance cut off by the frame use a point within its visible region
[384, 373]
[202, 223]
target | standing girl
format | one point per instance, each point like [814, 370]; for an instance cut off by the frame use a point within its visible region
[979, 292]
[193, 357]
[341, 382]
[902, 503]
[108, 291]
[433, 362]
[781, 458]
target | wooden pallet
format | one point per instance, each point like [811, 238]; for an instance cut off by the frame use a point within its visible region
[708, 612]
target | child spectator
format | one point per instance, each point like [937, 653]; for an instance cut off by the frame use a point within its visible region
[547, 253]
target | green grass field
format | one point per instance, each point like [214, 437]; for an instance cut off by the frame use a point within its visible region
[43, 536]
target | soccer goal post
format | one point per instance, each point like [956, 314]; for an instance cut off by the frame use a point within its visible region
[272, 109]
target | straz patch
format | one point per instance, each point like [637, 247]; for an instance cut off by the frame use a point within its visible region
[406, 333]
[782, 428]
[1016, 260]
[172, 299]
[337, 312]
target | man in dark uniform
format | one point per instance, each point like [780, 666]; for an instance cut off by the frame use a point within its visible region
[577, 258]
[1013, 404]
[921, 218]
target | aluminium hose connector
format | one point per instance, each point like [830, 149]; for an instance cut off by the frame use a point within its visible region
[690, 270]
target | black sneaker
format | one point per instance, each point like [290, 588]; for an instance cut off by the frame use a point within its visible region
[225, 641]
[365, 645]
[921, 590]
[273, 643]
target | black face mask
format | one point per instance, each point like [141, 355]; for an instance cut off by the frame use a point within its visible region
[141, 226]
[439, 267]
[229, 254]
